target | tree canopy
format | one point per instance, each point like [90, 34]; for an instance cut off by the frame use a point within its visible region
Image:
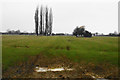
[80, 31]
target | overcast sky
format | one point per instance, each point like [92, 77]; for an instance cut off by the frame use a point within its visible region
[96, 15]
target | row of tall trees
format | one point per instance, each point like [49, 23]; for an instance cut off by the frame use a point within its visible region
[43, 21]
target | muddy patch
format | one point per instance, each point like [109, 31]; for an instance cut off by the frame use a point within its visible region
[67, 47]
[16, 46]
[42, 66]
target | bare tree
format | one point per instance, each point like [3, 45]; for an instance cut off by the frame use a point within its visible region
[50, 21]
[36, 21]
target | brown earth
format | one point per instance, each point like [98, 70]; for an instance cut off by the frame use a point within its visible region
[81, 70]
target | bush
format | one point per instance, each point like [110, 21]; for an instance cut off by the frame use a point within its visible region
[87, 34]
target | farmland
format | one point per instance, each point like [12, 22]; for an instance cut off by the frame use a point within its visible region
[96, 50]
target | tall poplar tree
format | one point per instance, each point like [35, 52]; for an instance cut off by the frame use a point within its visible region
[46, 21]
[36, 21]
[41, 21]
[50, 21]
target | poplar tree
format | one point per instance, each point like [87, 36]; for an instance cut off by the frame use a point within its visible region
[36, 21]
[46, 21]
[41, 21]
[50, 21]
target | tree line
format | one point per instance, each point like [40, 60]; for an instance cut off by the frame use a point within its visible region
[78, 31]
[43, 21]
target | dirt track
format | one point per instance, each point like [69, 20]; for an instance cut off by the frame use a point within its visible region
[81, 70]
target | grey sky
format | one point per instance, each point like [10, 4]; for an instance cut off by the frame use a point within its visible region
[97, 15]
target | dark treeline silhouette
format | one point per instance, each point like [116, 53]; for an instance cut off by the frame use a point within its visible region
[80, 31]
[18, 32]
[110, 34]
[43, 22]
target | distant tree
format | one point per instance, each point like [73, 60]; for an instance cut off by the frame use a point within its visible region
[96, 33]
[43, 32]
[80, 31]
[53, 33]
[41, 21]
[110, 34]
[114, 34]
[17, 32]
[93, 34]
[75, 32]
[13, 31]
[87, 34]
[46, 21]
[50, 21]
[9, 31]
[119, 34]
[36, 21]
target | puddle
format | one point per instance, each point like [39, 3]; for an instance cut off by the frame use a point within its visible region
[43, 69]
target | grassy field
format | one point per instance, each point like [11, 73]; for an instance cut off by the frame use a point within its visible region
[96, 49]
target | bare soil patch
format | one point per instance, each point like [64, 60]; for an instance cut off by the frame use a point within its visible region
[81, 70]
[67, 47]
[16, 46]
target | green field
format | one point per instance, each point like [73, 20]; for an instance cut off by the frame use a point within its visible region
[16, 48]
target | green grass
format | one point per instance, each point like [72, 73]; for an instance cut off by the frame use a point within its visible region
[96, 49]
